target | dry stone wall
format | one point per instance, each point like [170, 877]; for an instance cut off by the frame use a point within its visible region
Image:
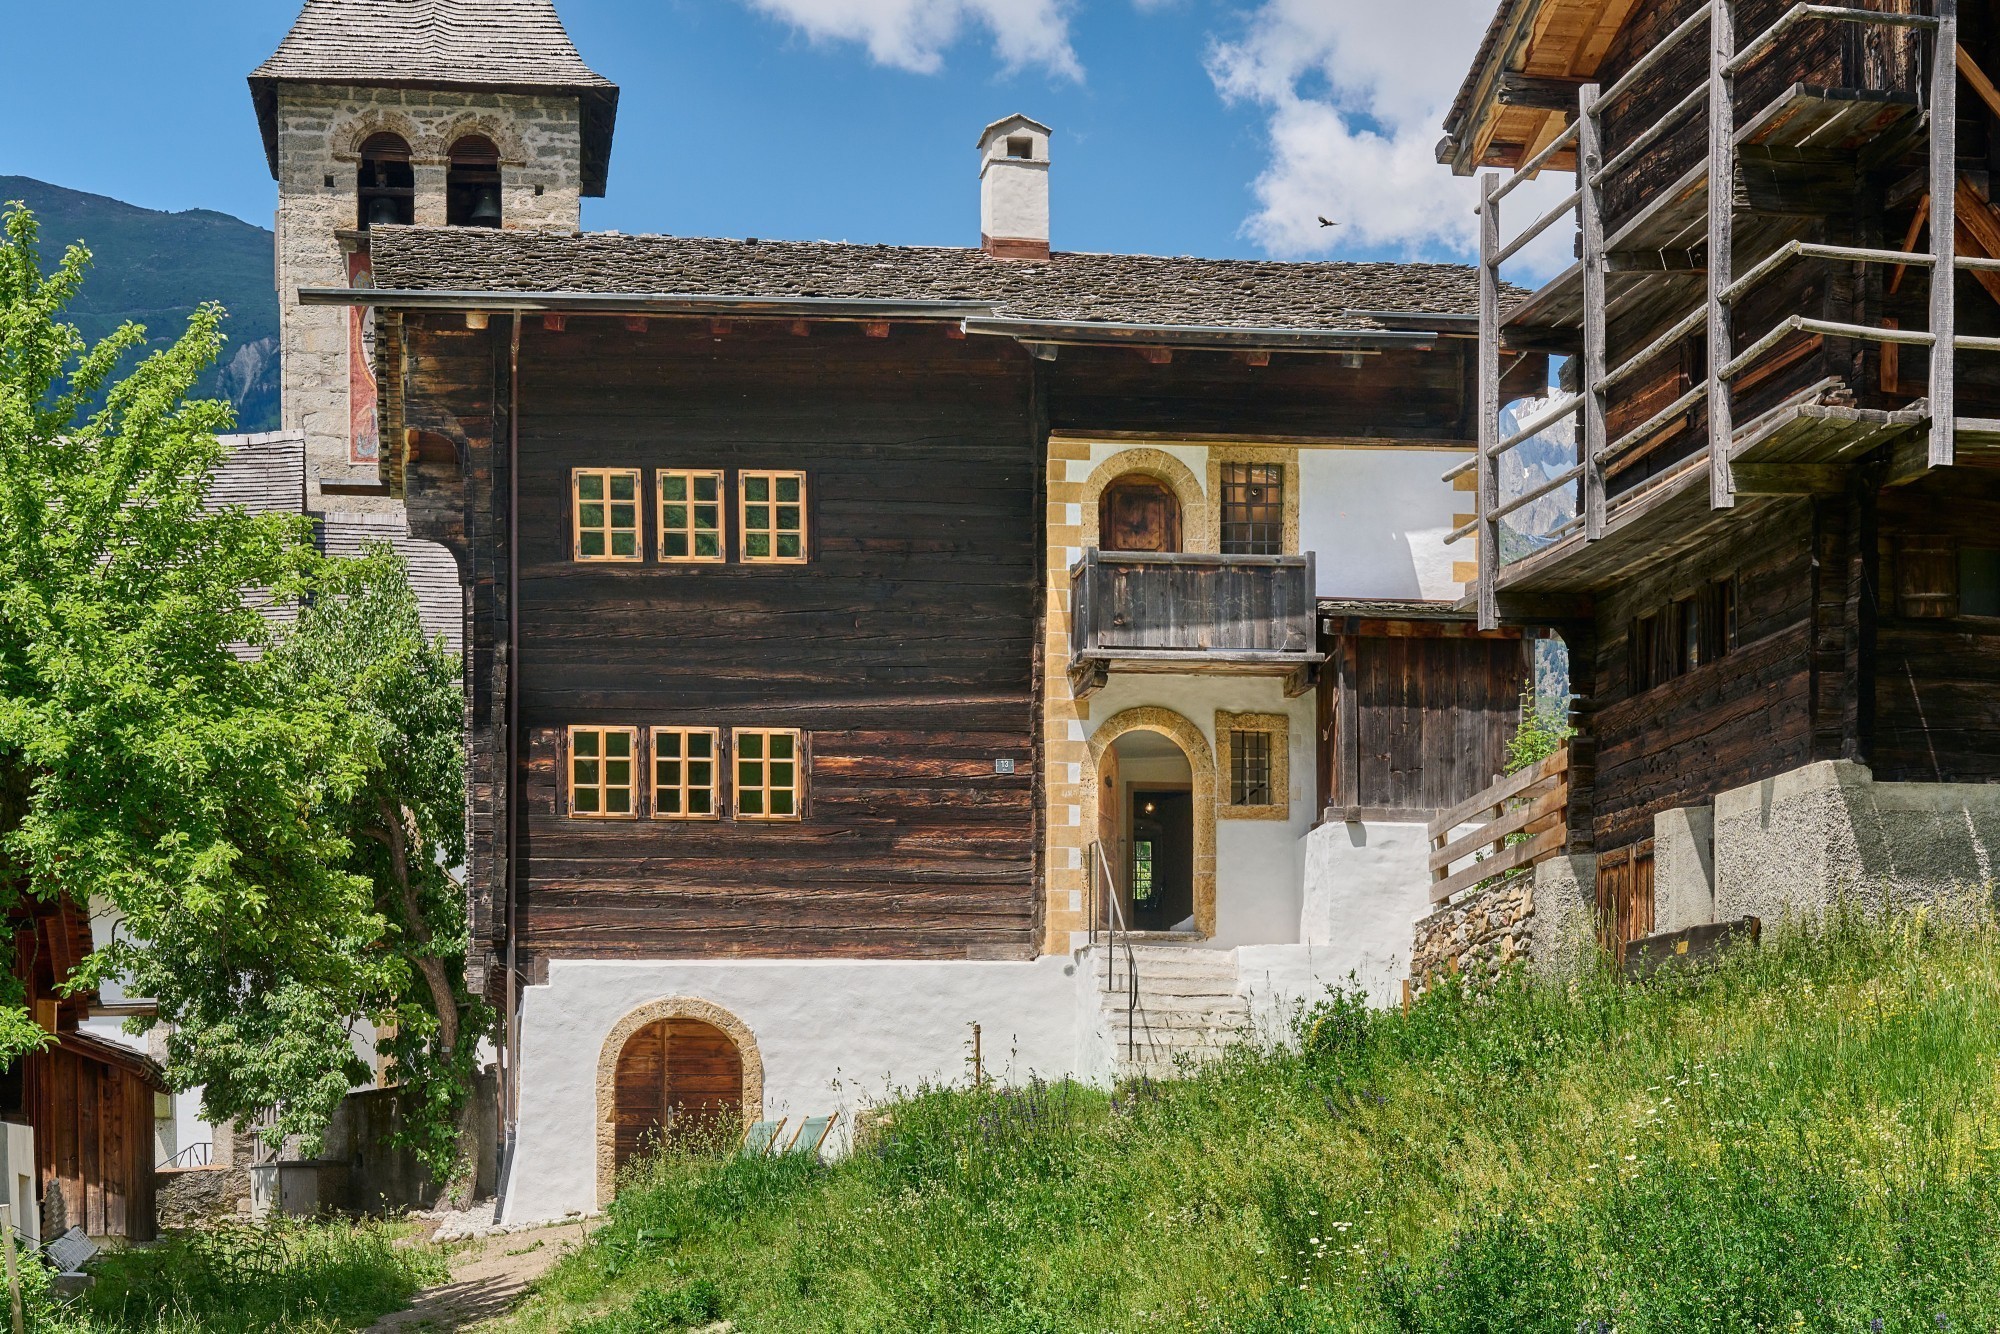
[1478, 935]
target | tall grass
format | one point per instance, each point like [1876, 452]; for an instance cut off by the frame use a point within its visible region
[298, 1278]
[1806, 1136]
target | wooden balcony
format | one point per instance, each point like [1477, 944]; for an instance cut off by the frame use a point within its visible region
[1177, 612]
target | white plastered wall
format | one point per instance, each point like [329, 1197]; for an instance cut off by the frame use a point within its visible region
[833, 1035]
[1376, 519]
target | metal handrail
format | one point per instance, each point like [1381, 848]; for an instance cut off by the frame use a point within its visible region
[1101, 872]
[194, 1155]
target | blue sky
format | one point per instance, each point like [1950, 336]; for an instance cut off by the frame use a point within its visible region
[1183, 126]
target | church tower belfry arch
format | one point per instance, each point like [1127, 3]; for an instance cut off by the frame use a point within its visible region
[361, 108]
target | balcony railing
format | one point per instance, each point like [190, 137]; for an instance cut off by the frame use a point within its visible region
[1174, 612]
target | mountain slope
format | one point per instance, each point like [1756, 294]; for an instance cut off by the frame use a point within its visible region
[155, 268]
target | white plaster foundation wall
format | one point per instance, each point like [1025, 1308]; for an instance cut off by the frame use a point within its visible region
[1366, 884]
[1792, 845]
[1683, 868]
[1376, 520]
[1256, 866]
[833, 1035]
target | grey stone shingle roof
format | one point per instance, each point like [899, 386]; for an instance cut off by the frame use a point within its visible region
[518, 45]
[1071, 287]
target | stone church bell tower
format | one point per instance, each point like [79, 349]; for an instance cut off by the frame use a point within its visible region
[433, 113]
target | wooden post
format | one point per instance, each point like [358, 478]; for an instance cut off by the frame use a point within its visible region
[978, 1062]
[1589, 159]
[1489, 401]
[13, 1274]
[1944, 226]
[1721, 238]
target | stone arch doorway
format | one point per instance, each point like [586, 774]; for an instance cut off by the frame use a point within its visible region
[1122, 777]
[678, 1070]
[1146, 466]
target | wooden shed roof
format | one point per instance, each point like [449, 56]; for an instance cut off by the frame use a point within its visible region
[1561, 41]
[1071, 287]
[494, 45]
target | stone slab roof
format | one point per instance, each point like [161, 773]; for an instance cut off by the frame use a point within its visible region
[493, 45]
[1072, 287]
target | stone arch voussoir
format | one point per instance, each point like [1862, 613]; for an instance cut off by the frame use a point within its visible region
[672, 1007]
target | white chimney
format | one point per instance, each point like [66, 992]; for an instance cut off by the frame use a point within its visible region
[1014, 189]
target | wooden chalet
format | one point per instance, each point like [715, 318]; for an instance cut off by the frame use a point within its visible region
[90, 1102]
[1783, 332]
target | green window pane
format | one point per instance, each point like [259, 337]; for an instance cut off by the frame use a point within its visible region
[590, 544]
[788, 488]
[617, 743]
[749, 802]
[750, 746]
[788, 517]
[756, 488]
[781, 746]
[790, 546]
[781, 803]
[708, 516]
[701, 773]
[674, 544]
[590, 516]
[624, 543]
[586, 743]
[757, 516]
[589, 486]
[624, 486]
[707, 544]
[700, 744]
[618, 773]
[781, 773]
[667, 743]
[624, 516]
[673, 486]
[708, 488]
[757, 544]
[701, 802]
[667, 773]
[586, 801]
[618, 801]
[584, 773]
[668, 802]
[674, 516]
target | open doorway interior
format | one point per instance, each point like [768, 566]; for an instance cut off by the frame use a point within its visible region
[1149, 823]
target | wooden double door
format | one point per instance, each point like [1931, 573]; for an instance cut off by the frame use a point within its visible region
[679, 1082]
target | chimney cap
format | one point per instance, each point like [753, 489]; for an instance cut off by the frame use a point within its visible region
[1015, 121]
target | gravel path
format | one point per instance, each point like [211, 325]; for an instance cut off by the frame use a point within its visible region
[487, 1279]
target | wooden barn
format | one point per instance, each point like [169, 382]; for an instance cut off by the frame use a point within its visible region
[1780, 578]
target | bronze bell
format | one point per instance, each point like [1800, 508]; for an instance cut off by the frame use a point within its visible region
[485, 207]
[382, 211]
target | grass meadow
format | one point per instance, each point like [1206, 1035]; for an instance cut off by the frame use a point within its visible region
[1804, 1136]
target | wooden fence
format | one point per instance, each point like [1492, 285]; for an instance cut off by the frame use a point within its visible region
[1532, 803]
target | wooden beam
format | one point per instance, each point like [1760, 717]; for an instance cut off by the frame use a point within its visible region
[1489, 398]
[636, 323]
[875, 328]
[1721, 245]
[719, 328]
[1790, 479]
[1944, 231]
[1159, 356]
[1980, 83]
[555, 323]
[1539, 91]
[1087, 678]
[1591, 209]
[1254, 357]
[1654, 261]
[801, 329]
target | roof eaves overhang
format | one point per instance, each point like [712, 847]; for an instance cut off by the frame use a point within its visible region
[1056, 333]
[643, 303]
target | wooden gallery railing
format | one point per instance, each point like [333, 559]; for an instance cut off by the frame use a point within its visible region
[1531, 808]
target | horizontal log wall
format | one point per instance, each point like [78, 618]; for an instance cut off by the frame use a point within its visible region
[905, 648]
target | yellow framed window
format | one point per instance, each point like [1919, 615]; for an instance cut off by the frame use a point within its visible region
[770, 773]
[690, 515]
[602, 767]
[686, 768]
[606, 513]
[772, 516]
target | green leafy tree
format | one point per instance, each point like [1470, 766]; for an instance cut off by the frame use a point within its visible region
[362, 648]
[1544, 729]
[165, 759]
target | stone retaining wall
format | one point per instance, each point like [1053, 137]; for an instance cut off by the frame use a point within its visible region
[1478, 935]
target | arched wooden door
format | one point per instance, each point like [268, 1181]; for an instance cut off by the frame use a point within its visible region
[678, 1081]
[1139, 513]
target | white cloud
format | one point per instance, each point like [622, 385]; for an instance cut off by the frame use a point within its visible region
[1356, 92]
[914, 34]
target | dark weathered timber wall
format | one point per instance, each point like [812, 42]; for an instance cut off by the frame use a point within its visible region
[1412, 395]
[93, 1143]
[1431, 717]
[1745, 717]
[905, 649]
[1937, 680]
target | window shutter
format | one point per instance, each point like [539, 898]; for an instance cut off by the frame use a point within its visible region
[1926, 576]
